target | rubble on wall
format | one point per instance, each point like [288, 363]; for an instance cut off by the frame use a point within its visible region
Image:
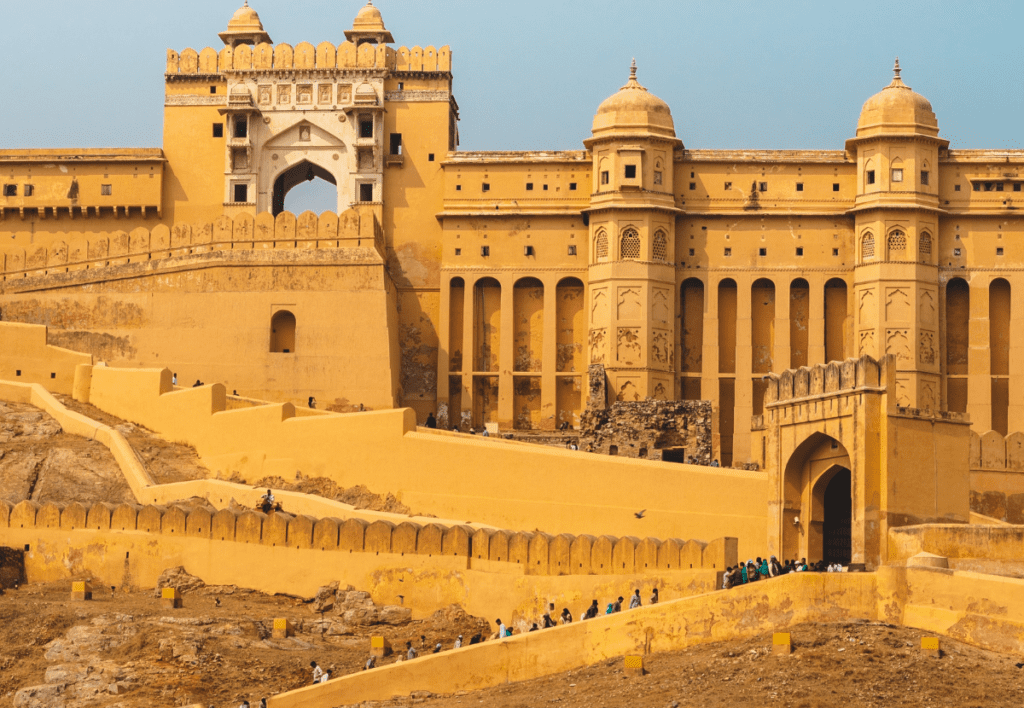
[645, 429]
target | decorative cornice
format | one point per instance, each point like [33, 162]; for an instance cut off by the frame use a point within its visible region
[190, 100]
[418, 96]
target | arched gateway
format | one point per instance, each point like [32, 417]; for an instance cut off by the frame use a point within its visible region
[845, 463]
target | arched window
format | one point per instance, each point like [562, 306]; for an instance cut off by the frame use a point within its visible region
[601, 245]
[867, 246]
[897, 241]
[660, 246]
[925, 247]
[629, 247]
[282, 332]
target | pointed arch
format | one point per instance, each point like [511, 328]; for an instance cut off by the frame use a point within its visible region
[924, 246]
[601, 245]
[660, 248]
[629, 244]
[867, 246]
[897, 241]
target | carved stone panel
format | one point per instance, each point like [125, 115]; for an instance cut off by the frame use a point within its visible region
[903, 391]
[599, 309]
[326, 94]
[626, 390]
[867, 314]
[661, 349]
[897, 305]
[345, 93]
[926, 348]
[284, 94]
[866, 344]
[629, 304]
[897, 342]
[926, 309]
[598, 339]
[265, 94]
[660, 298]
[304, 95]
[629, 349]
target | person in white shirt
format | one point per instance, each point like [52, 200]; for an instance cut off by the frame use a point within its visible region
[370, 663]
[411, 652]
[317, 672]
[501, 628]
[634, 602]
[326, 677]
[458, 642]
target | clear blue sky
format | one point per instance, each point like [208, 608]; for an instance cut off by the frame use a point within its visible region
[529, 74]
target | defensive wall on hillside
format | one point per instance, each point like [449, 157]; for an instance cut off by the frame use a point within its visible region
[977, 609]
[997, 476]
[423, 567]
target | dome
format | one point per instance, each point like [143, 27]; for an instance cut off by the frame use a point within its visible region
[634, 109]
[897, 108]
[369, 27]
[245, 19]
[369, 17]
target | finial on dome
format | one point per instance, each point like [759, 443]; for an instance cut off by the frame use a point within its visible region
[632, 69]
[896, 68]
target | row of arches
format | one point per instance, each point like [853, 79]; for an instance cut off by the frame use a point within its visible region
[630, 246]
[958, 348]
[896, 246]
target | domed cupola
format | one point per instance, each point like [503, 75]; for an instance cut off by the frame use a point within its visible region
[245, 28]
[897, 109]
[369, 27]
[633, 111]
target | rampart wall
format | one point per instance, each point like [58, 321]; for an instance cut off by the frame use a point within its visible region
[354, 228]
[304, 56]
[25, 357]
[986, 548]
[970, 607]
[997, 476]
[497, 482]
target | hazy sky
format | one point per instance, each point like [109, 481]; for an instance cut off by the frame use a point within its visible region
[529, 74]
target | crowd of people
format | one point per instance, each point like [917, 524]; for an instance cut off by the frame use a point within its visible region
[764, 568]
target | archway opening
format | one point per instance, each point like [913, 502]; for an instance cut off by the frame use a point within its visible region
[836, 541]
[810, 469]
[282, 332]
[305, 187]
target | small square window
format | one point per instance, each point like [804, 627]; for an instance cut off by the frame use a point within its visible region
[728, 252]
[396, 143]
[430, 157]
[762, 251]
[218, 130]
[18, 372]
[1016, 186]
[28, 190]
[762, 187]
[693, 252]
[485, 251]
[897, 174]
[835, 251]
[458, 188]
[977, 186]
[604, 177]
[53, 375]
[241, 127]
[999, 186]
[529, 186]
[657, 177]
[871, 176]
[572, 186]
[528, 251]
[630, 171]
[10, 190]
[486, 186]
[799, 251]
[693, 186]
[213, 89]
[956, 187]
[924, 176]
[835, 186]
[999, 251]
[106, 190]
[956, 251]
[401, 85]
[728, 186]
[572, 250]
[241, 193]
[366, 192]
[458, 251]
[545, 188]
[366, 129]
[799, 186]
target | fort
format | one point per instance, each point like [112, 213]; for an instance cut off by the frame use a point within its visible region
[801, 354]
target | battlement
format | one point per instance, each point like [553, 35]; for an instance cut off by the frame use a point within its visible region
[305, 57]
[536, 552]
[355, 228]
[993, 451]
[835, 377]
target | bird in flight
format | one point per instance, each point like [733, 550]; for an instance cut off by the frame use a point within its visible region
[640, 514]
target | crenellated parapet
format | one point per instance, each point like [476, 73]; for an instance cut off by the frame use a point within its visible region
[355, 228]
[536, 552]
[305, 57]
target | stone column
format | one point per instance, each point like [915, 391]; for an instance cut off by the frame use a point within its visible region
[744, 409]
[549, 356]
[506, 355]
[815, 319]
[1015, 420]
[979, 363]
[709, 363]
[444, 355]
[783, 347]
[468, 354]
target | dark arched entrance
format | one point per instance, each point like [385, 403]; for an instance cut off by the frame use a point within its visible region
[837, 546]
[302, 172]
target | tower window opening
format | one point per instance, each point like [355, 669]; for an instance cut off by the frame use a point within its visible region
[528, 251]
[897, 241]
[924, 177]
[1016, 186]
[799, 251]
[241, 127]
[572, 186]
[396, 143]
[999, 186]
[604, 177]
[956, 187]
[762, 251]
[213, 89]
[799, 186]
[529, 186]
[630, 171]
[458, 251]
[106, 190]
[218, 130]
[572, 250]
[693, 252]
[977, 186]
[366, 129]
[693, 186]
[486, 186]
[835, 251]
[956, 252]
[835, 186]
[999, 251]
[282, 332]
[897, 174]
[657, 177]
[762, 187]
[728, 186]
[241, 193]
[485, 251]
[366, 192]
[867, 247]
[728, 252]
[601, 245]
[28, 190]
[545, 188]
[629, 246]
[660, 246]
[871, 176]
[430, 157]
[10, 190]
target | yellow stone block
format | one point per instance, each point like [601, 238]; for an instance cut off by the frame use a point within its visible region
[782, 643]
[80, 590]
[282, 628]
[633, 665]
[930, 646]
[379, 647]
[170, 598]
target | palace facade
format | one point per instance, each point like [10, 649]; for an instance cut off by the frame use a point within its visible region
[482, 285]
